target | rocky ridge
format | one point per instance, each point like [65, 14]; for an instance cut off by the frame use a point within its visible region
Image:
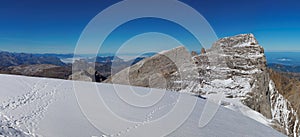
[155, 71]
[233, 66]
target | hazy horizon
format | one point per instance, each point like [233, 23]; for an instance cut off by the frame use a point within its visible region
[109, 54]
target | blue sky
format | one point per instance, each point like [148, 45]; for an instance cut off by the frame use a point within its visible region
[54, 26]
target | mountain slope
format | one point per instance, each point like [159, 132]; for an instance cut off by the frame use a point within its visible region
[234, 67]
[48, 107]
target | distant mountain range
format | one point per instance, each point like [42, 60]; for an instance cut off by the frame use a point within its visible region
[60, 65]
[16, 59]
[287, 63]
[284, 68]
[14, 63]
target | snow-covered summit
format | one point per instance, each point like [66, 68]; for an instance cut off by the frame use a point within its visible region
[48, 107]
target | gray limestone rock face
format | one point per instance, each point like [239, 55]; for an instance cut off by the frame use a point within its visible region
[239, 58]
[154, 72]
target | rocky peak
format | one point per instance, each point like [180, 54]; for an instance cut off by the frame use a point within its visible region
[241, 60]
[242, 40]
[237, 66]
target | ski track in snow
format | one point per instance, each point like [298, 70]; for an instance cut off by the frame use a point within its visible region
[27, 121]
[148, 119]
[22, 100]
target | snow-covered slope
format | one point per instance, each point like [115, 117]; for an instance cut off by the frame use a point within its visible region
[48, 107]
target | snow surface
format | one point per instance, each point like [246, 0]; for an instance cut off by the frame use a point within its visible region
[49, 107]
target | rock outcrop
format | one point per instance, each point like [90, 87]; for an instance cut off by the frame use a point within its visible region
[82, 71]
[233, 66]
[154, 72]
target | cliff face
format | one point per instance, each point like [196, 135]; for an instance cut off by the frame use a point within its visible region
[286, 86]
[285, 102]
[233, 66]
[284, 116]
